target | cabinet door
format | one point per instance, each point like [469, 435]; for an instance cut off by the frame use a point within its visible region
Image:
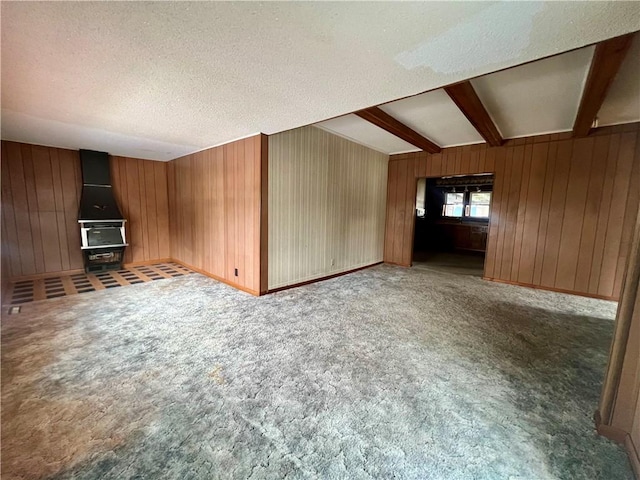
[479, 238]
[462, 237]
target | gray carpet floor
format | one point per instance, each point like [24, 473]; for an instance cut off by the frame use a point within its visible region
[385, 373]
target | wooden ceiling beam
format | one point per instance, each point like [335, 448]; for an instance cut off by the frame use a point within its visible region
[465, 97]
[382, 119]
[605, 65]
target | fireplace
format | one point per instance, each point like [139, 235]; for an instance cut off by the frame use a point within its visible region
[102, 227]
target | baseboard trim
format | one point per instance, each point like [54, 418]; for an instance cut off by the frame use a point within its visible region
[320, 279]
[216, 277]
[397, 264]
[634, 457]
[551, 289]
[612, 433]
[147, 262]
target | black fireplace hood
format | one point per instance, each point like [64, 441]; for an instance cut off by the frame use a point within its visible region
[97, 201]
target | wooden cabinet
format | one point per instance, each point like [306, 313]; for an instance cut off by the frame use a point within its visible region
[462, 236]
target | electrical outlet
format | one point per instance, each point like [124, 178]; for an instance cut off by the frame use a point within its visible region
[333, 262]
[235, 272]
[14, 310]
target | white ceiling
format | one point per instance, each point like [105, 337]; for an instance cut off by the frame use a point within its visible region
[434, 115]
[532, 99]
[166, 78]
[540, 97]
[367, 134]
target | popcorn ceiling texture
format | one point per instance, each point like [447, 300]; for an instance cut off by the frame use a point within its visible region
[159, 79]
[385, 373]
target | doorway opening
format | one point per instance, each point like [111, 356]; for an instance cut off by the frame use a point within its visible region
[452, 222]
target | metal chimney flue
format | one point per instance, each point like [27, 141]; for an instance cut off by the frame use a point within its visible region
[102, 226]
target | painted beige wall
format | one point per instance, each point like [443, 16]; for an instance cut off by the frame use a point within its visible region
[327, 201]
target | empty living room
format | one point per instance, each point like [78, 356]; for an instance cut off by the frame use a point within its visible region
[320, 240]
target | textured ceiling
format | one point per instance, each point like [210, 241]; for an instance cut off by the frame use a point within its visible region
[166, 78]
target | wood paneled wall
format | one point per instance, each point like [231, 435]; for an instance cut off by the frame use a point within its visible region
[562, 209]
[140, 188]
[215, 199]
[618, 416]
[40, 192]
[327, 199]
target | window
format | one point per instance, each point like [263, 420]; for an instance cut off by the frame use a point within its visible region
[479, 204]
[467, 204]
[421, 192]
[454, 205]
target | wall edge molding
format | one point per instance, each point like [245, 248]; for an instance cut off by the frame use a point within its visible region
[550, 289]
[320, 279]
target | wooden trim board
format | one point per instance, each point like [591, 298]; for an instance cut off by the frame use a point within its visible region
[148, 262]
[264, 214]
[612, 433]
[634, 455]
[623, 438]
[328, 277]
[550, 289]
[216, 277]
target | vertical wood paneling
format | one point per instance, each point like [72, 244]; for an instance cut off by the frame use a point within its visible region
[543, 226]
[327, 201]
[491, 260]
[392, 191]
[574, 213]
[140, 188]
[531, 225]
[504, 209]
[216, 211]
[592, 206]
[633, 199]
[556, 213]
[162, 209]
[562, 209]
[32, 207]
[616, 216]
[19, 254]
[40, 192]
[511, 221]
[603, 213]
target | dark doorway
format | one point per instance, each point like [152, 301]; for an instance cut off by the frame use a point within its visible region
[452, 222]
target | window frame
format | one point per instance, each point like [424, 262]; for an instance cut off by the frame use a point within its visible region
[466, 205]
[454, 205]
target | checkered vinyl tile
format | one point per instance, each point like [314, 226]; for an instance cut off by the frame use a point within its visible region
[26, 291]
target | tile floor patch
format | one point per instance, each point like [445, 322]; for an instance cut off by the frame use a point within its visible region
[26, 291]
